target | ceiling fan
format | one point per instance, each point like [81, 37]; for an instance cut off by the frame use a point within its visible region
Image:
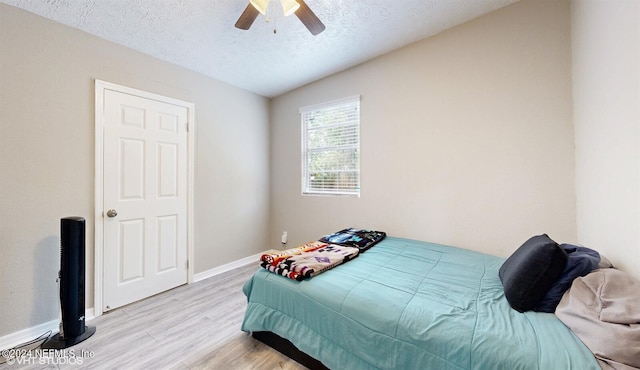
[297, 7]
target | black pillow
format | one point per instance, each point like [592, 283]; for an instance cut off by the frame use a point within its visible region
[580, 261]
[530, 271]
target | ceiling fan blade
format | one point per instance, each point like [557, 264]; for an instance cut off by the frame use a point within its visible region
[309, 19]
[247, 17]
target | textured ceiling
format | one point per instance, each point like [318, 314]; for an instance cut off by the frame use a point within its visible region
[200, 34]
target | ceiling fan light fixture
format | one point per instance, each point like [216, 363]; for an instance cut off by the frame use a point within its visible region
[289, 7]
[299, 7]
[260, 5]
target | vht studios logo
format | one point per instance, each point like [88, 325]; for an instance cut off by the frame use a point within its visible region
[46, 356]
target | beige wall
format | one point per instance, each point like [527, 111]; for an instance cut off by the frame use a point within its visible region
[606, 92]
[467, 138]
[47, 156]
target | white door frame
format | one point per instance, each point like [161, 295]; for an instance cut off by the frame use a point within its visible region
[100, 87]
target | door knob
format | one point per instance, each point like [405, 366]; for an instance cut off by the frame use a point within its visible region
[112, 213]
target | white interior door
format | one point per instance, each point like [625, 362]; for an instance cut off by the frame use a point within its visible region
[145, 197]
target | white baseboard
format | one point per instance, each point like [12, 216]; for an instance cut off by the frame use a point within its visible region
[228, 267]
[89, 314]
[26, 335]
[22, 336]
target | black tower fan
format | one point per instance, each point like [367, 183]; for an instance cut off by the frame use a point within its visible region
[71, 282]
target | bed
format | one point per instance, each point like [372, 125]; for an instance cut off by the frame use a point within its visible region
[407, 304]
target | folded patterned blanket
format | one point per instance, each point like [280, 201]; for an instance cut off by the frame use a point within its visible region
[275, 257]
[307, 260]
[357, 238]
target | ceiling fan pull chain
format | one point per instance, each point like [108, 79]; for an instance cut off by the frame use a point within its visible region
[275, 25]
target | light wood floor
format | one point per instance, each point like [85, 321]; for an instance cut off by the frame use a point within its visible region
[195, 326]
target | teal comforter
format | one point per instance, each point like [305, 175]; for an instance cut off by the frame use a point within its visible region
[407, 304]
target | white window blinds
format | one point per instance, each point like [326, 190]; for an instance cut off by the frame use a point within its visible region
[331, 147]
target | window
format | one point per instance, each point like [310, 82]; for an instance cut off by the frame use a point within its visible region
[331, 148]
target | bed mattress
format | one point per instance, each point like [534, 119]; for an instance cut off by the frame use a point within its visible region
[408, 304]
